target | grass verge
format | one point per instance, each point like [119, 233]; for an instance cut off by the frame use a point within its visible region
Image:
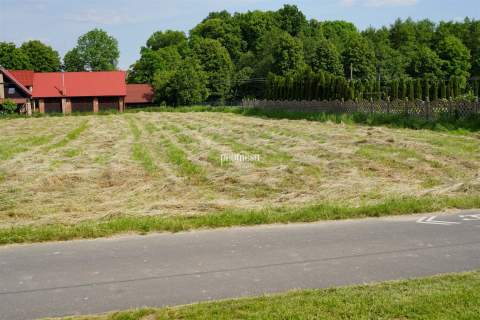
[443, 123]
[229, 218]
[451, 296]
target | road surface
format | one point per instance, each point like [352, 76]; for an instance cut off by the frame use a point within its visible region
[91, 276]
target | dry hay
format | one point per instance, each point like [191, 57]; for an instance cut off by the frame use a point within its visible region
[301, 162]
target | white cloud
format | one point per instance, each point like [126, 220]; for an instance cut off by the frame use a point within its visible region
[101, 18]
[378, 3]
[381, 3]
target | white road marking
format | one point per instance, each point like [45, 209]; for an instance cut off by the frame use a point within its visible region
[470, 217]
[431, 220]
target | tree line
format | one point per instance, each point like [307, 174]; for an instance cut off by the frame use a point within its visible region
[326, 86]
[231, 56]
[95, 51]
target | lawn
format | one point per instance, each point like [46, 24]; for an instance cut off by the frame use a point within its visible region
[455, 297]
[89, 176]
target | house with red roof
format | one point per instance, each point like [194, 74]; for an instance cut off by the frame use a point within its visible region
[25, 77]
[139, 95]
[66, 92]
[13, 89]
[79, 91]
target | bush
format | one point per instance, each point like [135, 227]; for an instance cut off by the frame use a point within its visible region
[8, 107]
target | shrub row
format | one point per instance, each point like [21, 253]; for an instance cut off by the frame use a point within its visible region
[325, 86]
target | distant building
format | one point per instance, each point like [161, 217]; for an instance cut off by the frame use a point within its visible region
[139, 95]
[12, 89]
[79, 91]
[66, 92]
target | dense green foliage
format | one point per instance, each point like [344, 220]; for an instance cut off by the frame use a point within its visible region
[7, 107]
[326, 86]
[33, 55]
[42, 57]
[95, 51]
[239, 51]
[12, 57]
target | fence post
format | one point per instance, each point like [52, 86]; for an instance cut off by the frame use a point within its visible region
[427, 108]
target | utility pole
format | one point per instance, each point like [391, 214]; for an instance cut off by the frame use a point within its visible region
[351, 71]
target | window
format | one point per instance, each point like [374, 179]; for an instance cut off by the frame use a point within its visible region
[11, 90]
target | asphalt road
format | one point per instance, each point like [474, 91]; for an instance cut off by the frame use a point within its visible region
[91, 276]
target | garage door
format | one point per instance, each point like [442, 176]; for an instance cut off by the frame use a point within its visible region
[107, 103]
[82, 104]
[53, 105]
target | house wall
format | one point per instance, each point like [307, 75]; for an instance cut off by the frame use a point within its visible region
[97, 103]
[2, 87]
[11, 90]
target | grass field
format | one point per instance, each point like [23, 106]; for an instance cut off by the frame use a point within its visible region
[65, 171]
[453, 297]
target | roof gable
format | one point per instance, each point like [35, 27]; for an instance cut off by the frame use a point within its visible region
[17, 83]
[25, 77]
[79, 84]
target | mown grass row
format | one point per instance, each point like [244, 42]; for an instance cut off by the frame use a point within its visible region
[444, 123]
[72, 135]
[9, 148]
[452, 296]
[229, 218]
[179, 158]
[139, 151]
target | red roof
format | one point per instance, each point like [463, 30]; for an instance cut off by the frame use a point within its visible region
[12, 78]
[139, 93]
[25, 77]
[79, 84]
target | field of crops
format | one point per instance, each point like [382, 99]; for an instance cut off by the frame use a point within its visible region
[69, 169]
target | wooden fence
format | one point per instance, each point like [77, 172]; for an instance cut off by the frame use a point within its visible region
[424, 109]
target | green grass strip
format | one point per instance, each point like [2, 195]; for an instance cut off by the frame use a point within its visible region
[451, 296]
[72, 135]
[139, 151]
[229, 218]
[10, 148]
[178, 157]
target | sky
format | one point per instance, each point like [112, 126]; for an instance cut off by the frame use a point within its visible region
[59, 23]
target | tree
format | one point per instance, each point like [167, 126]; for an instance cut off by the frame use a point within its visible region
[359, 58]
[216, 62]
[291, 19]
[95, 51]
[391, 63]
[471, 40]
[226, 31]
[402, 34]
[72, 61]
[339, 33]
[187, 86]
[323, 55]
[152, 62]
[455, 55]
[280, 53]
[253, 25]
[168, 38]
[42, 57]
[12, 57]
[425, 63]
